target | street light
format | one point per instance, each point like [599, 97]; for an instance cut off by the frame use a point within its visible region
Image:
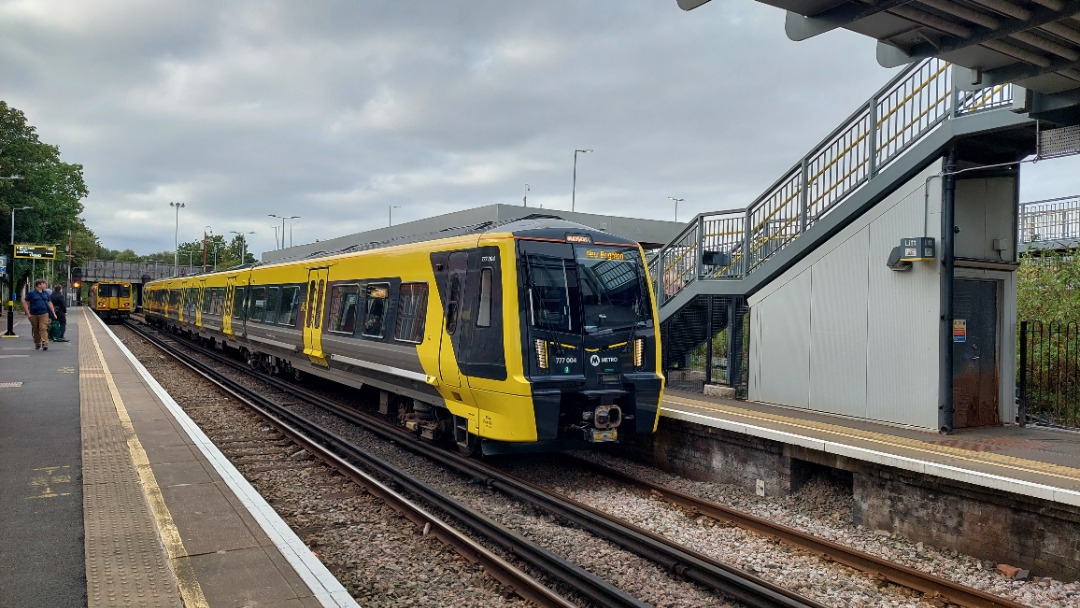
[176, 239]
[205, 230]
[677, 201]
[573, 192]
[11, 274]
[291, 224]
[243, 243]
[390, 213]
[282, 218]
[525, 199]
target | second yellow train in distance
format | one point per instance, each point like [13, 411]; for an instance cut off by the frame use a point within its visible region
[530, 334]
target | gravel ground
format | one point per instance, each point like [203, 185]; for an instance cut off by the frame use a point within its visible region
[820, 508]
[384, 561]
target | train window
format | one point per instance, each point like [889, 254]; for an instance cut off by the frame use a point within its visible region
[273, 298]
[483, 316]
[290, 304]
[553, 292]
[375, 310]
[412, 309]
[238, 303]
[257, 304]
[320, 303]
[207, 297]
[310, 304]
[452, 304]
[125, 290]
[217, 301]
[191, 297]
[174, 302]
[343, 304]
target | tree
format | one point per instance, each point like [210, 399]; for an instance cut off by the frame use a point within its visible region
[52, 189]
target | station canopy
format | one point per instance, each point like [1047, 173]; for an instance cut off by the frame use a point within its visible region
[1032, 43]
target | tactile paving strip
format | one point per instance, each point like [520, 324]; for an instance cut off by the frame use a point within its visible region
[126, 563]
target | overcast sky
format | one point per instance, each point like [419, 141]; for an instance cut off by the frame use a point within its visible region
[337, 110]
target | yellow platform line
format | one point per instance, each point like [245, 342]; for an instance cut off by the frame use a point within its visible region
[189, 587]
[1005, 461]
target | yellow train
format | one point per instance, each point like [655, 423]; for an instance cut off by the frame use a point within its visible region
[112, 300]
[527, 334]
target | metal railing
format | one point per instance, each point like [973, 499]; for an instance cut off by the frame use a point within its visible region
[1051, 220]
[1049, 373]
[908, 108]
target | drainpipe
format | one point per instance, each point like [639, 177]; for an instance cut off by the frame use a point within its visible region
[948, 264]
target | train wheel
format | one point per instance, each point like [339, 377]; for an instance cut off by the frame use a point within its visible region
[468, 444]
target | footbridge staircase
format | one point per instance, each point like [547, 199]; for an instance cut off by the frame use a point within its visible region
[703, 277]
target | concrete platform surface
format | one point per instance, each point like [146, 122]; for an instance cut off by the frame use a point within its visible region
[113, 497]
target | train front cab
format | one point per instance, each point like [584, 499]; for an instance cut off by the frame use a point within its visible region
[579, 322]
[111, 300]
[590, 336]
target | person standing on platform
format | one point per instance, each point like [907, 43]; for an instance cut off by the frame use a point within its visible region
[59, 304]
[39, 310]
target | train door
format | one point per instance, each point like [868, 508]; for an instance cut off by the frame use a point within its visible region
[449, 367]
[226, 314]
[203, 294]
[312, 311]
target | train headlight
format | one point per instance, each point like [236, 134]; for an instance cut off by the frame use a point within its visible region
[639, 352]
[541, 354]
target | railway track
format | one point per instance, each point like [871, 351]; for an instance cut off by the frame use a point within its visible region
[686, 564]
[683, 563]
[936, 589]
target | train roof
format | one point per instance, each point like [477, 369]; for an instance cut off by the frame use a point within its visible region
[536, 225]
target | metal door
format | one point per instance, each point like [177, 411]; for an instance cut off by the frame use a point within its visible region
[312, 311]
[975, 346]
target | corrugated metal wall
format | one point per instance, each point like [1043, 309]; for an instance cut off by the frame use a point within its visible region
[842, 333]
[838, 332]
[780, 345]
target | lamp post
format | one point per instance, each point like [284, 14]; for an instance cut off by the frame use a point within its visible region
[205, 230]
[282, 218]
[291, 224]
[11, 275]
[677, 201]
[390, 214]
[176, 239]
[573, 192]
[243, 243]
[525, 199]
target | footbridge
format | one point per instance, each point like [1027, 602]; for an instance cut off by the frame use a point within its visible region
[810, 257]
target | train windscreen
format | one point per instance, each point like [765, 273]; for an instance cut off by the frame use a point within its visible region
[602, 289]
[612, 286]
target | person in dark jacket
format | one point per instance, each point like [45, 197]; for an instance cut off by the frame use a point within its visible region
[59, 302]
[38, 311]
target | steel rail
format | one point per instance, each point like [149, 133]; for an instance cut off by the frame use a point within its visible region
[341, 452]
[683, 562]
[931, 586]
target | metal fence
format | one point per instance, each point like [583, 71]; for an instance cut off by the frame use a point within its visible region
[908, 108]
[1049, 221]
[1049, 373]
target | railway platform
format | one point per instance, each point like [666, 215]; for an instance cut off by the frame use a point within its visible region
[113, 497]
[1032, 460]
[1008, 494]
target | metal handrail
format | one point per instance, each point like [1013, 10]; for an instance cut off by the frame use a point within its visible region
[899, 115]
